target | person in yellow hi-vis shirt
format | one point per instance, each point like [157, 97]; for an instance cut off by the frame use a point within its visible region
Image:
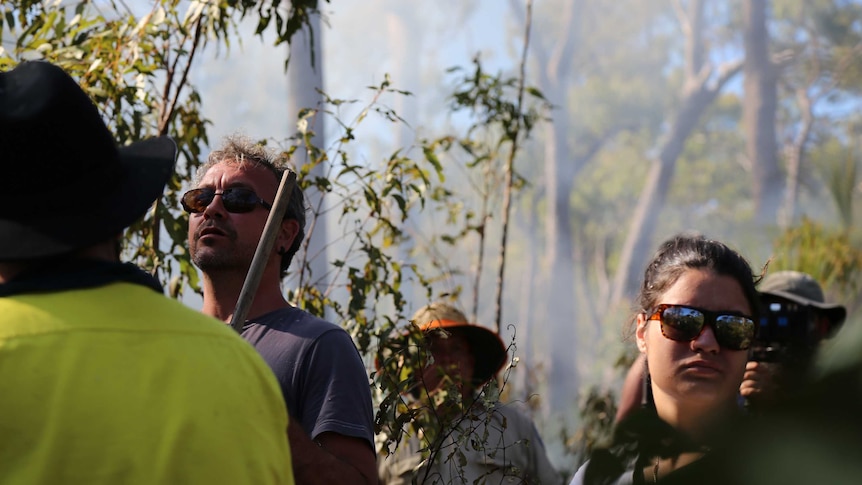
[103, 380]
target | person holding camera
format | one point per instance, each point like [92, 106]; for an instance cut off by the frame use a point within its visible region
[795, 319]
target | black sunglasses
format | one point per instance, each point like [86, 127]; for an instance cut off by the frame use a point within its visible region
[237, 200]
[684, 324]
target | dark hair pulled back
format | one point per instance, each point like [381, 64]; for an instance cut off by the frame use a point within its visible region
[694, 251]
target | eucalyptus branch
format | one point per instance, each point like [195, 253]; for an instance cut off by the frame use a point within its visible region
[337, 147]
[169, 111]
[681, 16]
[480, 258]
[168, 108]
[509, 172]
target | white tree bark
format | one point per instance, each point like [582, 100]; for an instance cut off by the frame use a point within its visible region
[304, 79]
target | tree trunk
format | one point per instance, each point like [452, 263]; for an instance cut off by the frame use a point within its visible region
[559, 175]
[406, 74]
[698, 94]
[304, 78]
[795, 153]
[759, 107]
[529, 290]
[563, 160]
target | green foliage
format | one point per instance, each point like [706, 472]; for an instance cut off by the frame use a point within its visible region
[597, 412]
[441, 423]
[492, 103]
[372, 201]
[838, 165]
[135, 67]
[291, 16]
[366, 290]
[832, 257]
[499, 121]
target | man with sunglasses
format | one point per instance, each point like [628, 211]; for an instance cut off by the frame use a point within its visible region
[323, 379]
[104, 380]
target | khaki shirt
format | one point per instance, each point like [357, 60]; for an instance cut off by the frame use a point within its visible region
[500, 446]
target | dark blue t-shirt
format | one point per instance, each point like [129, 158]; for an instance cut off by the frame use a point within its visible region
[321, 373]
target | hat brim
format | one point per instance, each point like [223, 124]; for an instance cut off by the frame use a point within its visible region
[489, 352]
[834, 312]
[146, 168]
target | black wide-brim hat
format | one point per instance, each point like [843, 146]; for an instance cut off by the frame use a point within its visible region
[67, 184]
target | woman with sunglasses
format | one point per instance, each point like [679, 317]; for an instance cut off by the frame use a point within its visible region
[695, 324]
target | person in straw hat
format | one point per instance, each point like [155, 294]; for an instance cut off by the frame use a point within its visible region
[103, 379]
[480, 442]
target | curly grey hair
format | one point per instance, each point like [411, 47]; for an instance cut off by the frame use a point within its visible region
[242, 150]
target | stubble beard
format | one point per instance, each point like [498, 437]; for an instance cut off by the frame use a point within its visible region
[228, 258]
